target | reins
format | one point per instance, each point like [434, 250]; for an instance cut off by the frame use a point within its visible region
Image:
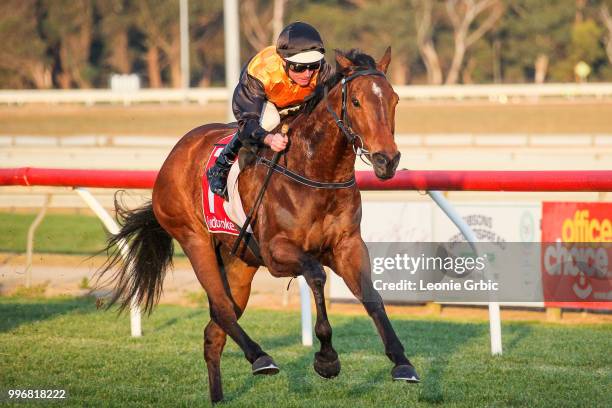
[262, 190]
[304, 180]
[343, 124]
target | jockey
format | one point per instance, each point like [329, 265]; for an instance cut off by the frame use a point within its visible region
[278, 77]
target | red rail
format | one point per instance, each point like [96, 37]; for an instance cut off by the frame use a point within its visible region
[466, 180]
[404, 180]
[32, 176]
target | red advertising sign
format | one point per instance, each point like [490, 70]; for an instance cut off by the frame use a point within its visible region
[576, 250]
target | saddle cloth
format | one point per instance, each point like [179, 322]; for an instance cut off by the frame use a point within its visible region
[222, 216]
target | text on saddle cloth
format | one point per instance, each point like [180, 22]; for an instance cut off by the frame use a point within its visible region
[222, 216]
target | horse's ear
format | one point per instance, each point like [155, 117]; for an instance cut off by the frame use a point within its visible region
[342, 62]
[383, 64]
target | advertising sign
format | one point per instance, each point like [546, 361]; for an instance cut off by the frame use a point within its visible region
[576, 249]
[499, 222]
[388, 221]
[506, 224]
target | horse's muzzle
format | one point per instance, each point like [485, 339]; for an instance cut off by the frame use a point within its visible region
[384, 165]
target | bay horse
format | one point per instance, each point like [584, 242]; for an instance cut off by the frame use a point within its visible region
[299, 227]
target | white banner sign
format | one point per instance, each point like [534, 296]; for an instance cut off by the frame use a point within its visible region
[388, 222]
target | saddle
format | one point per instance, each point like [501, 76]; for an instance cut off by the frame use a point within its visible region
[222, 216]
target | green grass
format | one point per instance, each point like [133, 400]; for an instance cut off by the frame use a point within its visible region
[58, 233]
[68, 344]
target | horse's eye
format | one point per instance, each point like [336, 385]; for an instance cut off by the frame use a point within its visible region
[355, 102]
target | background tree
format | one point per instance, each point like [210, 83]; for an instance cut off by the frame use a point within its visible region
[262, 21]
[396, 17]
[24, 61]
[483, 63]
[464, 16]
[116, 23]
[80, 43]
[605, 16]
[68, 27]
[158, 20]
[253, 15]
[469, 20]
[278, 17]
[336, 20]
[585, 45]
[534, 36]
[426, 19]
[206, 29]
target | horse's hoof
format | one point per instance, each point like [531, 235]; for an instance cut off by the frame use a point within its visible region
[327, 369]
[264, 365]
[405, 372]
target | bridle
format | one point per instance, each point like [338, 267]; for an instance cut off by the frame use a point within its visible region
[344, 124]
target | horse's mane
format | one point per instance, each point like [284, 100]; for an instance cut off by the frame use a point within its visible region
[360, 61]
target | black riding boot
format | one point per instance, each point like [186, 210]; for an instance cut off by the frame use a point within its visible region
[217, 175]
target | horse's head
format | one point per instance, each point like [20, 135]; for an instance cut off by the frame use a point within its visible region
[368, 110]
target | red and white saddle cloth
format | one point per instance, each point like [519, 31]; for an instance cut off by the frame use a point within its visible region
[222, 216]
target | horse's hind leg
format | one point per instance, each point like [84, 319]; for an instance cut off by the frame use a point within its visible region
[288, 259]
[351, 262]
[239, 278]
[214, 341]
[199, 249]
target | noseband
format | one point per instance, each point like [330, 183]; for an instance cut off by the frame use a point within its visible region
[344, 124]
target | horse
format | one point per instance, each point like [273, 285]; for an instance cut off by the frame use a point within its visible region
[309, 218]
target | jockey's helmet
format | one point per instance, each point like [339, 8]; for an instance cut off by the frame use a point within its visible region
[300, 43]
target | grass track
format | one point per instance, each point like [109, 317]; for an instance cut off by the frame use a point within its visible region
[58, 233]
[67, 343]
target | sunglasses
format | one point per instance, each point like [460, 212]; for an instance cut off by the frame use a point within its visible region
[297, 67]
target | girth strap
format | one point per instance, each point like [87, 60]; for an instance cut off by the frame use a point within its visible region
[303, 180]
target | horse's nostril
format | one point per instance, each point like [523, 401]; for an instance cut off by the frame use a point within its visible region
[396, 158]
[380, 159]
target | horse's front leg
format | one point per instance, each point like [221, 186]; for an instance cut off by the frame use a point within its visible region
[288, 259]
[351, 261]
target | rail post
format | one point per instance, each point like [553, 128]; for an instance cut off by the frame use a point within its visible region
[455, 217]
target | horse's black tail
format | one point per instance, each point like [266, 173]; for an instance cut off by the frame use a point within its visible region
[140, 267]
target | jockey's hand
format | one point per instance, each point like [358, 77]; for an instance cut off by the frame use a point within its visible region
[276, 141]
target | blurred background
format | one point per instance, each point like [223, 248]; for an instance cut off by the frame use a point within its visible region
[483, 84]
[81, 43]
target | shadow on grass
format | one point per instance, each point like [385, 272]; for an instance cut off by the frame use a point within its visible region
[429, 344]
[514, 334]
[169, 323]
[15, 311]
